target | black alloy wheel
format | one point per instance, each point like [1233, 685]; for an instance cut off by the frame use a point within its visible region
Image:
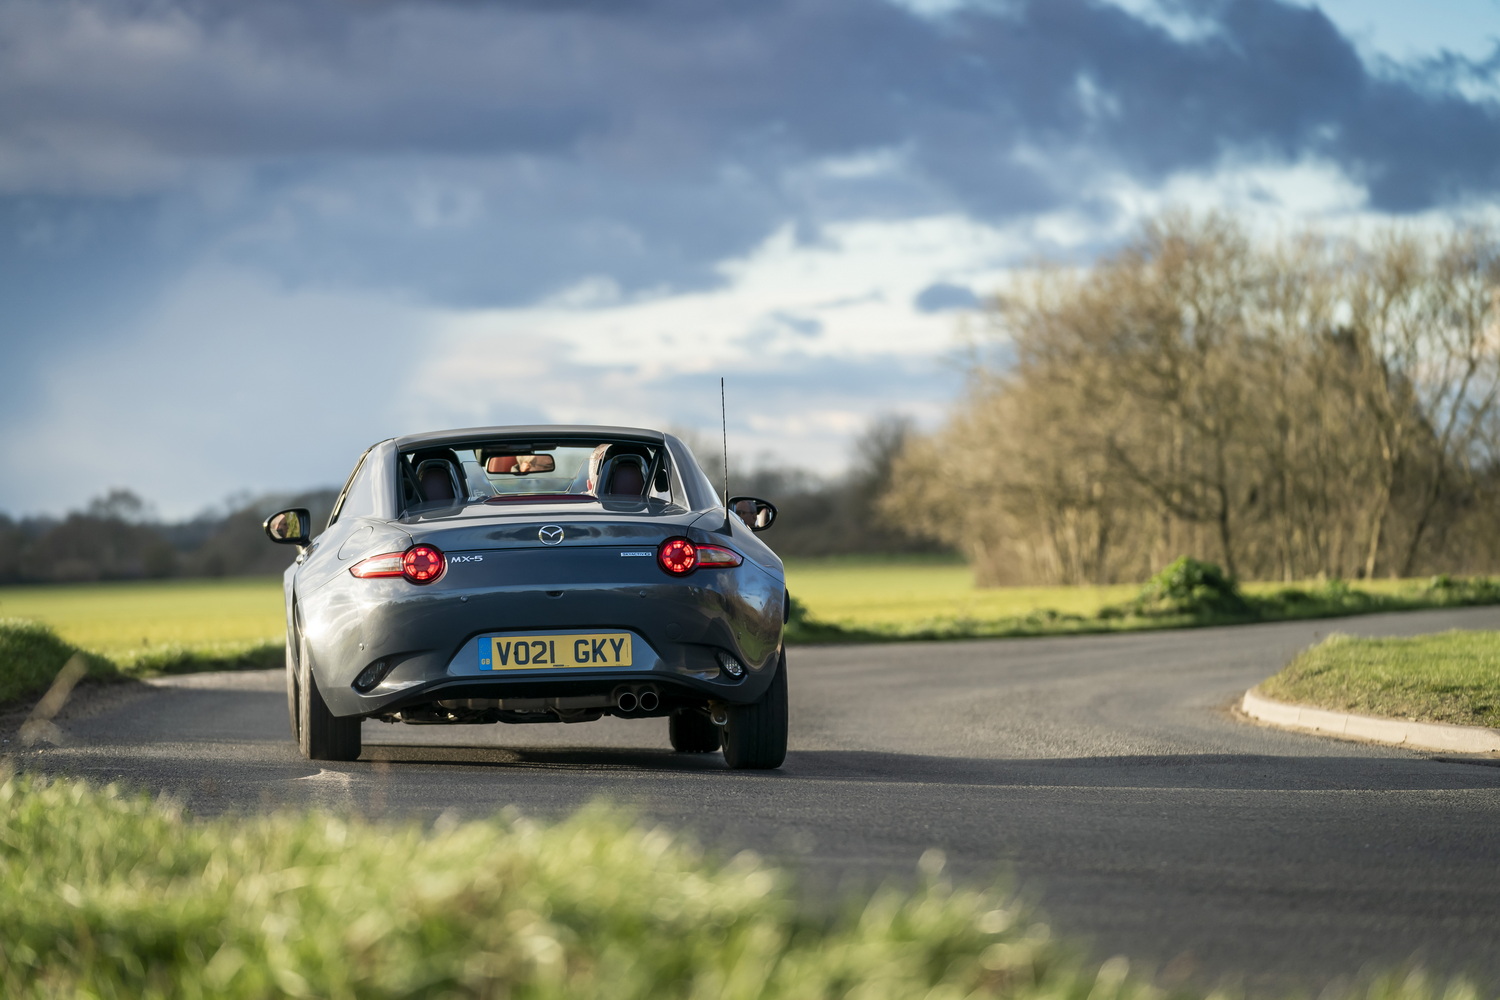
[692, 731]
[755, 735]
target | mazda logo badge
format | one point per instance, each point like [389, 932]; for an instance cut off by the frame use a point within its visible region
[550, 534]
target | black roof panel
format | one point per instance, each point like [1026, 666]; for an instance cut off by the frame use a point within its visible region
[537, 432]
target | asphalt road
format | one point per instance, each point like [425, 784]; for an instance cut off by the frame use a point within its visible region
[1106, 775]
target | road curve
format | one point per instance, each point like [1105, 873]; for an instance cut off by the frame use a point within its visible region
[1105, 774]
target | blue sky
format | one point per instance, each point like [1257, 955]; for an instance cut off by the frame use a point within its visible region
[243, 241]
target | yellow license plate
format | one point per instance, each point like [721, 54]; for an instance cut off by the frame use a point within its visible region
[556, 652]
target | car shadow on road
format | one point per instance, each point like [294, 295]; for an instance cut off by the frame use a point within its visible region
[581, 759]
[1236, 772]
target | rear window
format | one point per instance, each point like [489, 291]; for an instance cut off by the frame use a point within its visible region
[519, 471]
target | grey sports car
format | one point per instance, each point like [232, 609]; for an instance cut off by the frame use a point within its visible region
[536, 574]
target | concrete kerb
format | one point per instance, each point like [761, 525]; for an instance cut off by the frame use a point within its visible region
[1399, 732]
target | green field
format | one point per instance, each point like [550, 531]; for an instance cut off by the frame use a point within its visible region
[1452, 677]
[924, 598]
[126, 621]
[129, 621]
[864, 593]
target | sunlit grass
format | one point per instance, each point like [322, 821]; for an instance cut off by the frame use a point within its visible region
[1451, 677]
[881, 593]
[866, 592]
[167, 620]
[128, 621]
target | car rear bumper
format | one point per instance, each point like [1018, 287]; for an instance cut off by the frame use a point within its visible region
[427, 639]
[560, 699]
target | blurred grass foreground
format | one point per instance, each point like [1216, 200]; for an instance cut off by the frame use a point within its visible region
[109, 894]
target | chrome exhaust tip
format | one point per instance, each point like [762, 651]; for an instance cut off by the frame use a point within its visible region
[627, 701]
[648, 701]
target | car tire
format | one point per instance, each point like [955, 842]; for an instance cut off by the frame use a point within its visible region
[293, 645]
[755, 734]
[692, 732]
[292, 708]
[320, 734]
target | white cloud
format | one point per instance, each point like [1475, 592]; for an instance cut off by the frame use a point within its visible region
[1175, 18]
[590, 356]
[233, 382]
[1277, 198]
[1259, 192]
[846, 297]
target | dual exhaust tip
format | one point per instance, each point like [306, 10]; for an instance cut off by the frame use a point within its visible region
[630, 700]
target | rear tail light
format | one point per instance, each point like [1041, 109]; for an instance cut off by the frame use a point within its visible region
[423, 564]
[680, 557]
[419, 564]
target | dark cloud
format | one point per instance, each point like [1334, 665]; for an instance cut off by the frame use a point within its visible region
[942, 296]
[490, 153]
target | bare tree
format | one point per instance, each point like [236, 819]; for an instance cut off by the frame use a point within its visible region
[1304, 406]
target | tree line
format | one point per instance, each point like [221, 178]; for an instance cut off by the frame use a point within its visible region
[1298, 407]
[115, 538]
[825, 515]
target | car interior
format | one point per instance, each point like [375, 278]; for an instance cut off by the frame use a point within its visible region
[437, 477]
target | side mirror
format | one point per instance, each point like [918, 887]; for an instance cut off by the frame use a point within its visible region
[289, 527]
[758, 514]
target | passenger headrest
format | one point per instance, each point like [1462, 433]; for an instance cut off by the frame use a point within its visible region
[625, 475]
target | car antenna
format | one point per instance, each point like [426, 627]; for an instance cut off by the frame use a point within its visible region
[724, 428]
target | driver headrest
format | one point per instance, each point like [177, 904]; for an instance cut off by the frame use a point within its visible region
[437, 480]
[456, 468]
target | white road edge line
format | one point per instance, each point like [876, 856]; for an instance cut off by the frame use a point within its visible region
[1399, 732]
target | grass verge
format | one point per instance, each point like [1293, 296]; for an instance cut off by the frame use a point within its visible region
[1451, 677]
[32, 655]
[108, 894]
